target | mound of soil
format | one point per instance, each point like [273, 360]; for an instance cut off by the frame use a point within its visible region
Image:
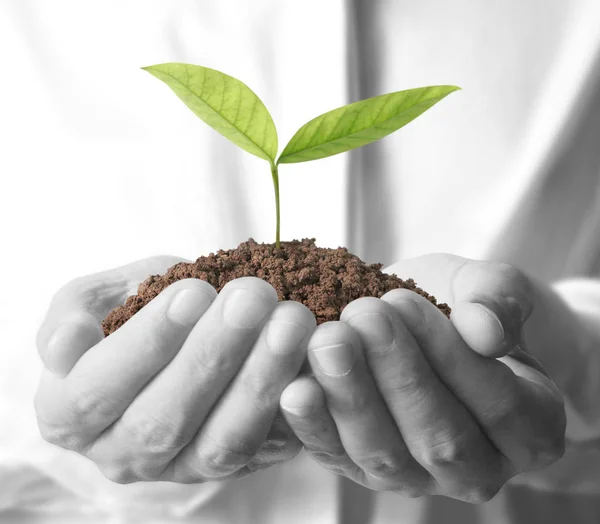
[324, 280]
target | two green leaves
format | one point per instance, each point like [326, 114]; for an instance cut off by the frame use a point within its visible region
[234, 110]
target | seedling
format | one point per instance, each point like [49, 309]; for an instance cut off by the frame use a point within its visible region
[234, 110]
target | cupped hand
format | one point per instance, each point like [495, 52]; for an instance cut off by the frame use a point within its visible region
[186, 391]
[405, 400]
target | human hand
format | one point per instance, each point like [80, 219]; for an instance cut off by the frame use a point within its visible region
[186, 391]
[405, 400]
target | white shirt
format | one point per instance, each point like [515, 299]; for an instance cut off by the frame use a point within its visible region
[103, 165]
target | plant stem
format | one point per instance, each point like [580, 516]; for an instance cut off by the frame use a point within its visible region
[275, 175]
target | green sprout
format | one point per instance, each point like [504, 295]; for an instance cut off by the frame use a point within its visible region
[231, 108]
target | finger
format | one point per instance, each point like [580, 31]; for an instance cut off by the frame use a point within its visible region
[240, 420]
[110, 375]
[77, 334]
[492, 302]
[515, 413]
[167, 414]
[280, 445]
[303, 405]
[367, 431]
[438, 430]
[73, 322]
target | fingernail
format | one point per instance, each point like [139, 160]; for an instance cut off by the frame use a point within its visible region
[187, 306]
[243, 310]
[283, 337]
[70, 341]
[495, 320]
[336, 360]
[377, 327]
[58, 338]
[300, 410]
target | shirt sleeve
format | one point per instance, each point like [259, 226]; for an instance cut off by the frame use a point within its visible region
[582, 295]
[578, 471]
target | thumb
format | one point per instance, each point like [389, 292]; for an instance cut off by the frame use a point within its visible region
[73, 322]
[492, 303]
[77, 332]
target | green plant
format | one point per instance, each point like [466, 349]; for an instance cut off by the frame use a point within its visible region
[234, 110]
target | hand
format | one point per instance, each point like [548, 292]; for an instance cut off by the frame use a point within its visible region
[405, 400]
[186, 391]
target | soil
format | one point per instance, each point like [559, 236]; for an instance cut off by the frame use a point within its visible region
[323, 279]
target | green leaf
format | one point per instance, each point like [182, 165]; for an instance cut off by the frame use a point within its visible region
[224, 103]
[360, 123]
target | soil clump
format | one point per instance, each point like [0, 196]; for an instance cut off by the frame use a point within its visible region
[323, 279]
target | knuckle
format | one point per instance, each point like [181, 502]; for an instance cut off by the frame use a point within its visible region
[264, 393]
[60, 436]
[508, 408]
[409, 386]
[155, 435]
[279, 450]
[446, 453]
[385, 480]
[271, 453]
[118, 473]
[314, 433]
[85, 405]
[410, 492]
[547, 452]
[148, 471]
[382, 465]
[333, 461]
[333, 456]
[214, 358]
[51, 435]
[66, 438]
[468, 489]
[482, 493]
[220, 460]
[63, 435]
[354, 402]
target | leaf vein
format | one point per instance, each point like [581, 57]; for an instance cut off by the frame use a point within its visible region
[235, 127]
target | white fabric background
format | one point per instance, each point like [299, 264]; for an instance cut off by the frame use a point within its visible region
[101, 164]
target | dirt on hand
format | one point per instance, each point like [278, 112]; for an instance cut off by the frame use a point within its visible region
[323, 279]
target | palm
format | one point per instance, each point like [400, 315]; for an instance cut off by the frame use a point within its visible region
[437, 274]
